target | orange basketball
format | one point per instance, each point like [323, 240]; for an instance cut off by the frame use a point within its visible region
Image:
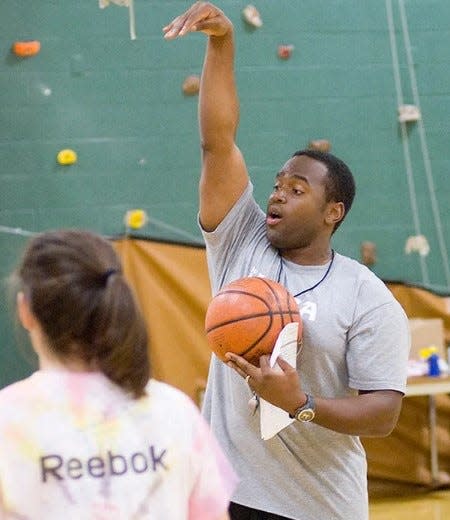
[246, 317]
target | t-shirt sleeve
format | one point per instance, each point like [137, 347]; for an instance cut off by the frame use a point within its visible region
[239, 242]
[215, 478]
[379, 343]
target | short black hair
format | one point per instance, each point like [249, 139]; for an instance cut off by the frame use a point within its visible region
[340, 184]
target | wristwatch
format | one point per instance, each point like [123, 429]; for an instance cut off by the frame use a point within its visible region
[306, 412]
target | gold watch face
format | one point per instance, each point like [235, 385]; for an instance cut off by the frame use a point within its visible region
[306, 415]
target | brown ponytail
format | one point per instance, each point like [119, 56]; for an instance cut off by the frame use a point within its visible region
[73, 282]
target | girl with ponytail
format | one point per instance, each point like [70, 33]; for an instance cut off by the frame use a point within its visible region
[90, 434]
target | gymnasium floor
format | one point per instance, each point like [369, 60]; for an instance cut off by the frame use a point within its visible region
[423, 505]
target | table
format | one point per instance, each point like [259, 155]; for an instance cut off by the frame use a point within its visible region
[430, 386]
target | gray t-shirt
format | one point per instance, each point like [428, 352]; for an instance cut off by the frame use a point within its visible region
[355, 337]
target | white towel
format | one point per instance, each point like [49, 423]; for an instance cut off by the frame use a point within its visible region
[274, 419]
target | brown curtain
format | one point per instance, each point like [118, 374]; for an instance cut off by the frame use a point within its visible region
[404, 456]
[172, 286]
[419, 303]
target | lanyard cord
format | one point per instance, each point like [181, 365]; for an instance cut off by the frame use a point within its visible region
[315, 285]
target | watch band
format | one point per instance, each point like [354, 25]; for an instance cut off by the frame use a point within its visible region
[305, 413]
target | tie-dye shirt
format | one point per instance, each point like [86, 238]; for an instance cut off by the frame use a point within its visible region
[75, 446]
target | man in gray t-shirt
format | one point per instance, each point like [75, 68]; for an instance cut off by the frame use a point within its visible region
[351, 371]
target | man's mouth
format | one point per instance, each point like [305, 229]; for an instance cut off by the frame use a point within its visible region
[273, 217]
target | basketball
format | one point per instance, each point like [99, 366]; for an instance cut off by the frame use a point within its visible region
[246, 317]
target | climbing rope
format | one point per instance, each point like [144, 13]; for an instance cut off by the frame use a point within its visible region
[424, 146]
[405, 142]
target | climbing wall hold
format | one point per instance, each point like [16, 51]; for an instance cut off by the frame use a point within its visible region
[285, 51]
[135, 218]
[251, 15]
[408, 113]
[66, 157]
[25, 49]
[321, 145]
[191, 85]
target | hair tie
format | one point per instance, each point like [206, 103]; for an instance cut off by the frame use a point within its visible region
[109, 272]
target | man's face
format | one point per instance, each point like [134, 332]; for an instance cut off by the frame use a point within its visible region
[297, 206]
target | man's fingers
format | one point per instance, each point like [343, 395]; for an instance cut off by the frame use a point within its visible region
[284, 365]
[178, 27]
[243, 367]
[202, 17]
[264, 363]
[186, 22]
[236, 368]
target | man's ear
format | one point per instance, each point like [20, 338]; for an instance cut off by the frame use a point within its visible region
[335, 213]
[26, 317]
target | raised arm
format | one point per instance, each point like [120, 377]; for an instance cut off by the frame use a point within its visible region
[224, 174]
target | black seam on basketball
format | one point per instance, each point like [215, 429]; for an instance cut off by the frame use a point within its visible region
[275, 296]
[240, 291]
[292, 312]
[253, 345]
[296, 311]
[270, 313]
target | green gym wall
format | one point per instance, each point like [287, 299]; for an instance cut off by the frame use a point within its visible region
[118, 103]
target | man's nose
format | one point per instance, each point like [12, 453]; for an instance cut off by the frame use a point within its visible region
[278, 195]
